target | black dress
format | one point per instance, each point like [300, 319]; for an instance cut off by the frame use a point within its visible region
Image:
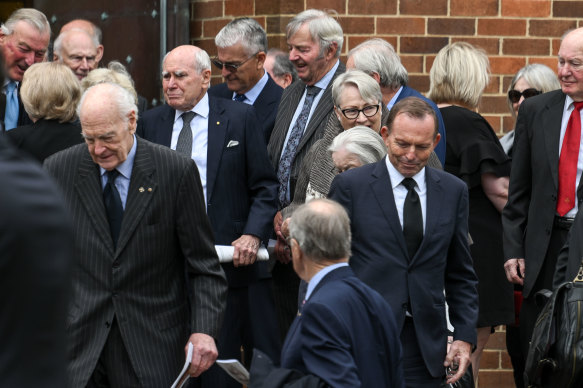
[473, 149]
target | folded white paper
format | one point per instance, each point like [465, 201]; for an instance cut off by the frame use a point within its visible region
[236, 370]
[184, 376]
[225, 253]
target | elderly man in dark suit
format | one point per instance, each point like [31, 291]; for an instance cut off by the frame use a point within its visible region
[24, 39]
[240, 190]
[141, 233]
[241, 50]
[546, 171]
[315, 42]
[410, 243]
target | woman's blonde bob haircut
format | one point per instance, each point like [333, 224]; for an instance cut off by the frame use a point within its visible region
[50, 91]
[115, 73]
[459, 75]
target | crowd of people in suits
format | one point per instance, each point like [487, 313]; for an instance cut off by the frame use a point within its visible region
[401, 231]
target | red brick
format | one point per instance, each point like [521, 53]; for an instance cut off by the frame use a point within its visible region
[474, 7]
[490, 358]
[550, 62]
[508, 123]
[422, 45]
[506, 65]
[494, 121]
[357, 25]
[506, 83]
[206, 44]
[497, 379]
[400, 25]
[497, 340]
[526, 8]
[429, 62]
[209, 9]
[419, 83]
[354, 41]
[528, 46]
[276, 24]
[413, 63]
[494, 86]
[423, 7]
[568, 9]
[239, 7]
[490, 45]
[278, 7]
[196, 28]
[494, 104]
[556, 43]
[277, 41]
[502, 26]
[370, 7]
[451, 26]
[212, 27]
[337, 5]
[505, 362]
[550, 28]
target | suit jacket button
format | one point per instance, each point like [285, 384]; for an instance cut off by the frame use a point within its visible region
[115, 264]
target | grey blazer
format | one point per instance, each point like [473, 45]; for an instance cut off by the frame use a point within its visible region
[165, 241]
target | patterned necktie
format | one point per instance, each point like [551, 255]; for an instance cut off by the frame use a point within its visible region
[412, 218]
[568, 162]
[184, 143]
[113, 206]
[11, 114]
[239, 97]
[289, 153]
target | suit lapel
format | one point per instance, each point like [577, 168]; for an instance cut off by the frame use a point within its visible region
[217, 132]
[434, 203]
[88, 187]
[552, 116]
[382, 188]
[166, 124]
[142, 187]
[288, 105]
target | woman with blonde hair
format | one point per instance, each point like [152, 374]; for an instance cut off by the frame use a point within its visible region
[50, 92]
[458, 77]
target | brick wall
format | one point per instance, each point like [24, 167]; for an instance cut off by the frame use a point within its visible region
[514, 33]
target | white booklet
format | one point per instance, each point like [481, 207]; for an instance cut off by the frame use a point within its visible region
[184, 376]
[236, 370]
[225, 253]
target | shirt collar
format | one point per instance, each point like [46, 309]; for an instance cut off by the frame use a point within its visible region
[569, 103]
[201, 109]
[397, 177]
[394, 99]
[125, 169]
[320, 275]
[254, 92]
[325, 80]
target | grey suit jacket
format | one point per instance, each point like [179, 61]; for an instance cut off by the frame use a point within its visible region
[314, 129]
[164, 233]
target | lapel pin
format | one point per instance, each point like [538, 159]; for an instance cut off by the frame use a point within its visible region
[218, 122]
[141, 190]
[149, 189]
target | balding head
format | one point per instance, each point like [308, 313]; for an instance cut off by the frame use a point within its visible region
[570, 70]
[78, 50]
[91, 29]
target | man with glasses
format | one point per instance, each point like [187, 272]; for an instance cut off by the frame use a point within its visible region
[78, 50]
[241, 50]
[240, 191]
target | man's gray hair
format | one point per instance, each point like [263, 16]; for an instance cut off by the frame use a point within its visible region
[123, 99]
[282, 65]
[322, 229]
[35, 18]
[324, 29]
[368, 88]
[361, 141]
[245, 31]
[58, 45]
[378, 56]
[202, 61]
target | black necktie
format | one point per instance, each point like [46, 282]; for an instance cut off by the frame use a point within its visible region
[239, 97]
[113, 206]
[412, 218]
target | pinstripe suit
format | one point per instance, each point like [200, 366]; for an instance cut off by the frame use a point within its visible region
[142, 282]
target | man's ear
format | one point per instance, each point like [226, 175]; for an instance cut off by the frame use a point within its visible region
[260, 59]
[287, 80]
[331, 52]
[437, 139]
[99, 53]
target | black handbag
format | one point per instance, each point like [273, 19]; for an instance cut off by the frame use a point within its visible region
[555, 355]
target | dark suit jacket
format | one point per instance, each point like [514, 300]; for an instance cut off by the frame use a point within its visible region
[35, 261]
[571, 255]
[241, 186]
[443, 261]
[265, 105]
[528, 216]
[314, 129]
[346, 334]
[141, 283]
[440, 148]
[45, 137]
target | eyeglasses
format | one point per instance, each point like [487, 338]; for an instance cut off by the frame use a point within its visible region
[231, 67]
[352, 113]
[514, 95]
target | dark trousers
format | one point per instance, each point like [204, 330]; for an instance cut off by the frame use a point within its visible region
[114, 368]
[285, 293]
[416, 373]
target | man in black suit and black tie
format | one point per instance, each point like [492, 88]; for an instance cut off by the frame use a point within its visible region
[24, 39]
[241, 50]
[544, 194]
[315, 41]
[141, 232]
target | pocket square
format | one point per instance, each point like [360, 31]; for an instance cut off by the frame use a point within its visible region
[232, 143]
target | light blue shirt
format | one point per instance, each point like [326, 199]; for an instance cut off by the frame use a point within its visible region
[400, 191]
[199, 126]
[394, 99]
[122, 182]
[320, 275]
[253, 93]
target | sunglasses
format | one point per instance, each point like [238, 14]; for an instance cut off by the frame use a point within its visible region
[231, 67]
[514, 95]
